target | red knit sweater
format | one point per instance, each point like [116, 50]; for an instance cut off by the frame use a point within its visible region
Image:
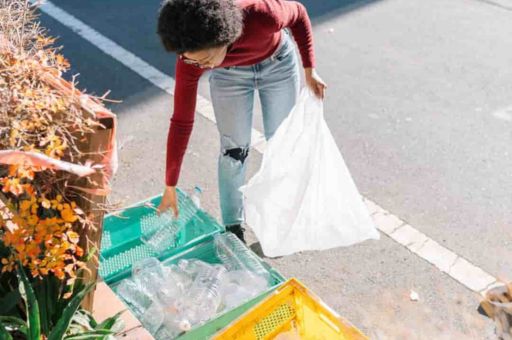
[262, 25]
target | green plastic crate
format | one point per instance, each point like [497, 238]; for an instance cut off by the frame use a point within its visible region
[205, 251]
[121, 245]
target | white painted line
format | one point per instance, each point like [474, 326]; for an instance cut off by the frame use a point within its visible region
[473, 277]
[130, 60]
[420, 244]
[448, 262]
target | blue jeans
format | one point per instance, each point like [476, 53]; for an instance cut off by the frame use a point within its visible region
[232, 89]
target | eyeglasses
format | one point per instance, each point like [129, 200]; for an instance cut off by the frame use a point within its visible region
[189, 61]
[205, 61]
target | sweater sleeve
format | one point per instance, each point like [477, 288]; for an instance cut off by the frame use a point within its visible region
[293, 15]
[182, 121]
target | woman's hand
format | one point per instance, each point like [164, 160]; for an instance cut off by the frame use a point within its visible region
[315, 83]
[169, 201]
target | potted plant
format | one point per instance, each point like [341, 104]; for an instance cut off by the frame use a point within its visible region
[53, 181]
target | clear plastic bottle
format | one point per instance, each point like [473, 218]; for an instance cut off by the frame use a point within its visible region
[233, 295]
[153, 317]
[237, 257]
[176, 324]
[131, 293]
[204, 298]
[196, 197]
[192, 267]
[176, 275]
[153, 221]
[153, 278]
[148, 274]
[165, 333]
[159, 231]
[239, 286]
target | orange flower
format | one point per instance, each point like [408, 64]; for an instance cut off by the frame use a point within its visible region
[33, 209]
[25, 205]
[9, 239]
[12, 185]
[13, 170]
[25, 172]
[33, 250]
[68, 215]
[43, 245]
[32, 220]
[29, 189]
[79, 251]
[59, 273]
[21, 172]
[56, 201]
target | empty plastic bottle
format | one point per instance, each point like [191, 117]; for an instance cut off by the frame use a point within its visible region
[176, 275]
[153, 317]
[131, 293]
[233, 295]
[236, 256]
[159, 231]
[204, 298]
[148, 273]
[153, 221]
[176, 323]
[196, 197]
[192, 267]
[152, 277]
[239, 286]
[165, 333]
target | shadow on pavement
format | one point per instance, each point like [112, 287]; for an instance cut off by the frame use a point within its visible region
[320, 11]
[132, 25]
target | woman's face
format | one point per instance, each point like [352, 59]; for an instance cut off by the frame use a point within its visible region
[207, 58]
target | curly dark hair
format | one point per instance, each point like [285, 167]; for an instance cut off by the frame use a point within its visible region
[192, 25]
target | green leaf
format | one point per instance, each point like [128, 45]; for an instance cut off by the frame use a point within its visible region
[27, 293]
[96, 334]
[83, 320]
[92, 320]
[110, 322]
[14, 323]
[9, 301]
[4, 335]
[42, 299]
[90, 254]
[54, 287]
[62, 325]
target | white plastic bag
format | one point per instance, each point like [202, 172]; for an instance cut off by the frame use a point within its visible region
[303, 197]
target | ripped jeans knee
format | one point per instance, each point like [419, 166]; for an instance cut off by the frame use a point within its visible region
[233, 150]
[238, 154]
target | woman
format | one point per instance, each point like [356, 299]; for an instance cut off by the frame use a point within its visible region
[246, 45]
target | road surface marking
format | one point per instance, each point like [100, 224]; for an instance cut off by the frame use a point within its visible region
[418, 243]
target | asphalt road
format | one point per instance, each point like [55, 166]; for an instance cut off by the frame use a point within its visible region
[419, 104]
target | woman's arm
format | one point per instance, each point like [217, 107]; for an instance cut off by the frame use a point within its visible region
[182, 121]
[293, 15]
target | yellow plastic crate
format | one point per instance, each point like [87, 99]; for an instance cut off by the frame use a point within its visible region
[291, 306]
